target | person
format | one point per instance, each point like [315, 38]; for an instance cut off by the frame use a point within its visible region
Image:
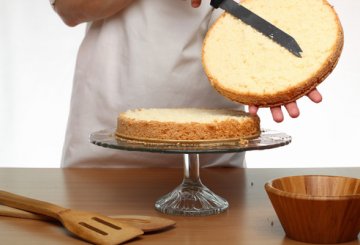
[140, 54]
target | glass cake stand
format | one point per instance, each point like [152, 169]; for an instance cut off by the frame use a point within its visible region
[191, 197]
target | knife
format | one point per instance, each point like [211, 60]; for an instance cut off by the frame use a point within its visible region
[259, 24]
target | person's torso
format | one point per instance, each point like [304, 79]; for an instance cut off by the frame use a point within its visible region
[148, 55]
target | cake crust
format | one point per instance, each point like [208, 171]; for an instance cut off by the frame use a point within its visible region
[292, 93]
[130, 128]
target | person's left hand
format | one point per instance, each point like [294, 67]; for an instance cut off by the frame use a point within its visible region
[292, 108]
[195, 3]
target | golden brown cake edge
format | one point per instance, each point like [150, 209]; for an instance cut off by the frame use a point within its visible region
[228, 129]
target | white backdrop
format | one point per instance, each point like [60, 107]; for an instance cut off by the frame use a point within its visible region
[37, 58]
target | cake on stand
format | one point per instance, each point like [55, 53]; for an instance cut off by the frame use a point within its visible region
[191, 197]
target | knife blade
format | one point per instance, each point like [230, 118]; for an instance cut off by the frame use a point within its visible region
[260, 24]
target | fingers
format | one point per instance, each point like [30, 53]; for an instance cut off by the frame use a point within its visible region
[315, 96]
[277, 114]
[195, 3]
[253, 109]
[292, 109]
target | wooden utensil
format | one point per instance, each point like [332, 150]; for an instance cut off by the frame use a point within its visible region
[92, 227]
[145, 223]
[317, 208]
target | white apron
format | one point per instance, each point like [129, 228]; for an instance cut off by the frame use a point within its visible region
[148, 55]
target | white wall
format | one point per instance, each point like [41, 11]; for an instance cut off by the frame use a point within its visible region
[325, 134]
[37, 58]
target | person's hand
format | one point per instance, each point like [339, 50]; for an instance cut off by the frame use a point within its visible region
[195, 3]
[291, 107]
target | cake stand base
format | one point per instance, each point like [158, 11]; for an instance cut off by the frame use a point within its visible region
[191, 197]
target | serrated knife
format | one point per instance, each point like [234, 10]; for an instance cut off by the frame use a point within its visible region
[260, 24]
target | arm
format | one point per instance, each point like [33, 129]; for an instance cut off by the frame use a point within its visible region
[74, 12]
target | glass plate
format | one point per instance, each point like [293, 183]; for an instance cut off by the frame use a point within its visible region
[267, 140]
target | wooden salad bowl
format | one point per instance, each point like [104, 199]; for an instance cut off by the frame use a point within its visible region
[316, 208]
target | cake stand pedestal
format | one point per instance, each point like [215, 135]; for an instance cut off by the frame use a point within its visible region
[191, 197]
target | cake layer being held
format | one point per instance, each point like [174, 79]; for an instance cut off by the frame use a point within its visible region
[248, 67]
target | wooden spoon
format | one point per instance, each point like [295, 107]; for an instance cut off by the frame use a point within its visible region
[145, 223]
[92, 227]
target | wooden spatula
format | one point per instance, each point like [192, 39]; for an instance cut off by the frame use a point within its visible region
[143, 222]
[92, 227]
[146, 223]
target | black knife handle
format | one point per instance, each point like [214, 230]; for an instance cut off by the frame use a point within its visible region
[216, 3]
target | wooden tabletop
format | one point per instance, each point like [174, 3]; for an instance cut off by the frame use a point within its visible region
[250, 218]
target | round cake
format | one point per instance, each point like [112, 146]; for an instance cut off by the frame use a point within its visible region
[248, 67]
[186, 124]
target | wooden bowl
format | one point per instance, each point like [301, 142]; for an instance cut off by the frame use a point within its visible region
[316, 208]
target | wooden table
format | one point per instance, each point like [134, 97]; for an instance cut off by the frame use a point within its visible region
[250, 219]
